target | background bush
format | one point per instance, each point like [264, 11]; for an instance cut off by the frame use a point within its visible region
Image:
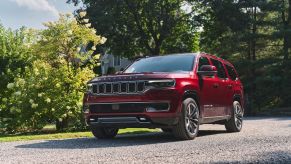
[45, 74]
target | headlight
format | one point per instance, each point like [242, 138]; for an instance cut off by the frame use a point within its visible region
[89, 88]
[160, 83]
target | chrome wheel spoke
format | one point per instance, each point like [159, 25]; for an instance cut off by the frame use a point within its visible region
[190, 128]
[194, 124]
[238, 123]
[194, 120]
[238, 116]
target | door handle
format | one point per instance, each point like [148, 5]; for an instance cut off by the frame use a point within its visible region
[216, 85]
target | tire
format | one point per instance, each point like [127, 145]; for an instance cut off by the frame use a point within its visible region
[234, 124]
[167, 130]
[104, 133]
[188, 125]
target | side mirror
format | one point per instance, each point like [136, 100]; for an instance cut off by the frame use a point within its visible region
[207, 70]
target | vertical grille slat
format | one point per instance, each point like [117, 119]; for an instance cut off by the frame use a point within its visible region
[128, 87]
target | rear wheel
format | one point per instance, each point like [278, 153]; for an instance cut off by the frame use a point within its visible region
[104, 133]
[236, 120]
[188, 126]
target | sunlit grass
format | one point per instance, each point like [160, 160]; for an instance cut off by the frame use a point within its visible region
[22, 137]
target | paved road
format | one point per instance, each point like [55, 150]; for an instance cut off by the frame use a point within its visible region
[263, 140]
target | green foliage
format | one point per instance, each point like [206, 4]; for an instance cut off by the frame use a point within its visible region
[111, 71]
[14, 57]
[254, 35]
[142, 26]
[50, 88]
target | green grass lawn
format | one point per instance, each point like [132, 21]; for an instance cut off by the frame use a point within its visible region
[22, 137]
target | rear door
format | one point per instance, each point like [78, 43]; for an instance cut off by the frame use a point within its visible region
[232, 84]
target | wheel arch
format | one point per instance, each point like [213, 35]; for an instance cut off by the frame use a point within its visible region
[238, 97]
[194, 95]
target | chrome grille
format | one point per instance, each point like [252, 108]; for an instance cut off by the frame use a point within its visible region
[107, 88]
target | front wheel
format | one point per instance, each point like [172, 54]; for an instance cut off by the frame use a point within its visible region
[188, 126]
[236, 120]
[104, 133]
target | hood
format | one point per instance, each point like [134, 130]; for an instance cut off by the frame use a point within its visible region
[139, 76]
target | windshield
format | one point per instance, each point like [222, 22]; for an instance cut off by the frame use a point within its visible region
[170, 63]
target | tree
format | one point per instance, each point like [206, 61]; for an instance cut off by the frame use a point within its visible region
[255, 36]
[136, 27]
[14, 57]
[51, 88]
[286, 21]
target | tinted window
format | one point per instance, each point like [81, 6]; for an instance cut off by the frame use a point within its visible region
[231, 72]
[220, 68]
[203, 61]
[170, 63]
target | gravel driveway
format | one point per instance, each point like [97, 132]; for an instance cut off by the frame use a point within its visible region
[263, 140]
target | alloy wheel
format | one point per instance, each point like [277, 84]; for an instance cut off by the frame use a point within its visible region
[192, 118]
[238, 116]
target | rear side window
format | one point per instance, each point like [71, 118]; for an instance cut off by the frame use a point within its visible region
[220, 68]
[203, 61]
[231, 72]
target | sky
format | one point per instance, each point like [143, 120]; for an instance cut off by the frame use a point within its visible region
[31, 13]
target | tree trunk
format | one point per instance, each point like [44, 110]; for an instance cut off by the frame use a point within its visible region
[285, 46]
[252, 59]
[286, 19]
[62, 125]
[254, 56]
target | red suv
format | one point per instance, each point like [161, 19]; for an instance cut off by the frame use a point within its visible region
[176, 93]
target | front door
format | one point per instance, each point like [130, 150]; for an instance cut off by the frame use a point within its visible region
[209, 91]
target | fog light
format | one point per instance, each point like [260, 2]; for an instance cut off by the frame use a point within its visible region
[158, 107]
[142, 119]
[151, 109]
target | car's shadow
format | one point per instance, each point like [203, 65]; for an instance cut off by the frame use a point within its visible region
[119, 141]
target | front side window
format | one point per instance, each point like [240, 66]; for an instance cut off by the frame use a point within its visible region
[203, 61]
[169, 63]
[220, 69]
[231, 72]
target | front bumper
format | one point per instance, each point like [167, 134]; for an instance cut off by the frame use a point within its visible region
[129, 114]
[131, 122]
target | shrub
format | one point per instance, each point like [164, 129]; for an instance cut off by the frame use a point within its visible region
[50, 88]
